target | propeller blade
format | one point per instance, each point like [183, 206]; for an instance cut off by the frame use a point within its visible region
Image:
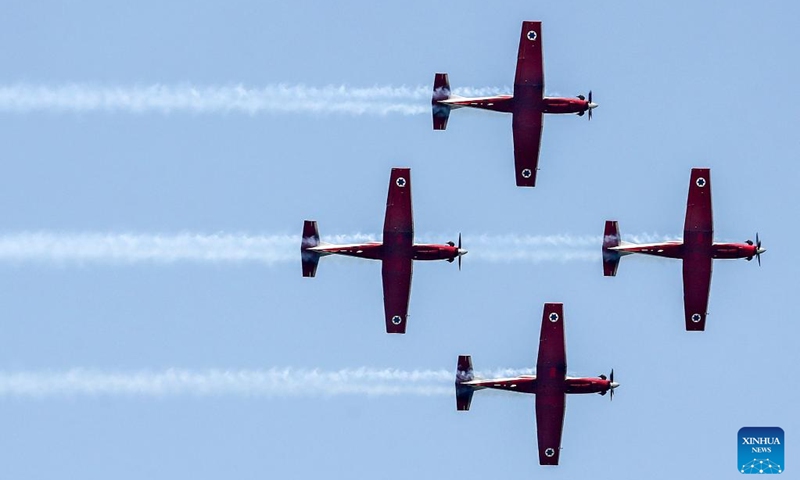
[590, 96]
[758, 249]
[611, 378]
[459, 251]
[590, 114]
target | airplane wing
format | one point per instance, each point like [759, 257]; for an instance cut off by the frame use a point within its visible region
[396, 292]
[552, 360]
[696, 288]
[699, 216]
[550, 408]
[399, 220]
[526, 126]
[698, 236]
[530, 61]
[528, 94]
[551, 370]
[398, 238]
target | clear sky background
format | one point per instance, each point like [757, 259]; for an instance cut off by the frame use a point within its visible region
[680, 85]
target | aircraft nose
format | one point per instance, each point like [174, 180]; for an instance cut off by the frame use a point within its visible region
[462, 251]
[614, 385]
[761, 250]
[593, 105]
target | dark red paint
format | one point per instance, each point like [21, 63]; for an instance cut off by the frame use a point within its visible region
[697, 250]
[550, 384]
[396, 253]
[527, 104]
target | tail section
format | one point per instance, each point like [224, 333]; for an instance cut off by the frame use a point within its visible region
[611, 238]
[310, 239]
[441, 91]
[464, 373]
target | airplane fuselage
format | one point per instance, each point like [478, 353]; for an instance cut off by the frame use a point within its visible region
[677, 249]
[564, 105]
[378, 251]
[507, 104]
[530, 384]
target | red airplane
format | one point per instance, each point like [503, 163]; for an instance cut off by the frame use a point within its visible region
[527, 105]
[397, 251]
[550, 384]
[697, 249]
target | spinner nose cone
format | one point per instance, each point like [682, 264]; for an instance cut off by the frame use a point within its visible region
[614, 385]
[462, 251]
[761, 250]
[593, 105]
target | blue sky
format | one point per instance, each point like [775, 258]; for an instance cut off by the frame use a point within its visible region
[679, 86]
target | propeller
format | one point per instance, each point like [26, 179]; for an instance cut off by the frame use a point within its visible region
[460, 254]
[589, 107]
[612, 385]
[759, 250]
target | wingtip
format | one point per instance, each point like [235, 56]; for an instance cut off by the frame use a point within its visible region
[396, 325]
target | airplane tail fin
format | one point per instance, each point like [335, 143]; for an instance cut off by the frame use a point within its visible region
[464, 373]
[611, 238]
[310, 239]
[441, 91]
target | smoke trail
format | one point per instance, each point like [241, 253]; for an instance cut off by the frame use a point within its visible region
[540, 248]
[286, 382]
[279, 98]
[134, 248]
[51, 247]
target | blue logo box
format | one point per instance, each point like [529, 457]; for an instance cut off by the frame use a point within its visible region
[761, 450]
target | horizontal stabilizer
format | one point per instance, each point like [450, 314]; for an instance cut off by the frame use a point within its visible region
[441, 87]
[310, 239]
[310, 235]
[464, 373]
[441, 113]
[463, 397]
[310, 261]
[611, 238]
[441, 91]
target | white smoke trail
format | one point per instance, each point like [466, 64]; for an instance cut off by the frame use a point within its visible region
[134, 248]
[279, 98]
[114, 248]
[541, 248]
[275, 382]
